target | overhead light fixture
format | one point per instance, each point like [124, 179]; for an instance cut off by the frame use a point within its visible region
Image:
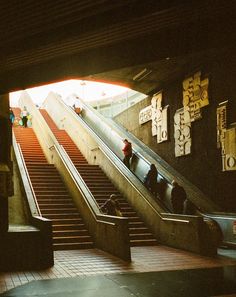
[142, 74]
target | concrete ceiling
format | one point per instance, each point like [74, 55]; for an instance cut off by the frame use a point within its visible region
[113, 41]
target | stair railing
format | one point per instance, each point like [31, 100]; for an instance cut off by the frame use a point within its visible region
[32, 201]
[78, 178]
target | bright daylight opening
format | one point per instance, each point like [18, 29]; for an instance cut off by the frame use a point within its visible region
[86, 90]
[108, 99]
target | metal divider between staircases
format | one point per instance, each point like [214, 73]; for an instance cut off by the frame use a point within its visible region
[76, 175]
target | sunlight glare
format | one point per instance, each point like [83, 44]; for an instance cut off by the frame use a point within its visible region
[86, 90]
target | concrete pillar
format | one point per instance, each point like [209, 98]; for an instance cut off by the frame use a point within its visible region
[4, 222]
[6, 187]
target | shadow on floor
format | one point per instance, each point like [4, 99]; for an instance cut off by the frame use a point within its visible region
[185, 283]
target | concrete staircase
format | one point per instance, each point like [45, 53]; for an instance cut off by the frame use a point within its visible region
[54, 201]
[101, 187]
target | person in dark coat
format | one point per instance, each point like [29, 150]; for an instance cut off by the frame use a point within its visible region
[24, 116]
[178, 197]
[111, 206]
[150, 180]
[189, 208]
[127, 151]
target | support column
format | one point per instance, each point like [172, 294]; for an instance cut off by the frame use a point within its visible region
[4, 222]
[6, 186]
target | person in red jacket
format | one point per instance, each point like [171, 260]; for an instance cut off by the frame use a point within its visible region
[127, 150]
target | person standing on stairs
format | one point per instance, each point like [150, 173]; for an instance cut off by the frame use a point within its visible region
[24, 116]
[12, 116]
[127, 151]
[111, 206]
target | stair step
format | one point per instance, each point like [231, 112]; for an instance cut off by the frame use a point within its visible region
[42, 178]
[141, 236]
[48, 192]
[47, 183]
[82, 233]
[40, 174]
[106, 192]
[42, 169]
[61, 227]
[101, 187]
[73, 246]
[148, 242]
[62, 216]
[58, 211]
[138, 230]
[65, 221]
[135, 224]
[52, 196]
[49, 187]
[71, 239]
[57, 205]
[128, 211]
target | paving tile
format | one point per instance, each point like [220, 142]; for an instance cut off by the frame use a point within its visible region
[84, 263]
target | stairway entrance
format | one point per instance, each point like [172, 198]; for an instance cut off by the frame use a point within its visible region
[54, 200]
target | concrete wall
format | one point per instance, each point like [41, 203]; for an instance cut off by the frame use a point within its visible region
[18, 210]
[203, 166]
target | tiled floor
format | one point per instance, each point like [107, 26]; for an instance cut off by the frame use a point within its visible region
[82, 263]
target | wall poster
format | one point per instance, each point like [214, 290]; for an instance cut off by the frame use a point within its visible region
[226, 138]
[158, 116]
[195, 97]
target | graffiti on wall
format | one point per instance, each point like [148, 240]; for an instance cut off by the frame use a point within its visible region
[195, 97]
[226, 138]
[158, 116]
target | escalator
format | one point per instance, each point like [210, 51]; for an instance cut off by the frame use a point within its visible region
[101, 187]
[113, 134]
[53, 198]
